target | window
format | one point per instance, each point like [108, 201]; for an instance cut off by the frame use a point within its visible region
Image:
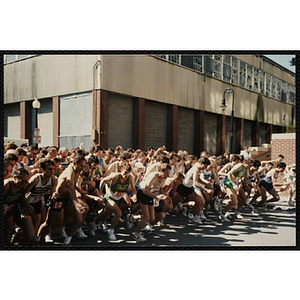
[218, 66]
[278, 89]
[10, 58]
[255, 79]
[198, 63]
[174, 58]
[242, 73]
[268, 85]
[262, 82]
[234, 73]
[249, 77]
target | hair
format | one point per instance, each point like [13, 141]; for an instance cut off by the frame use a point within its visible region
[110, 152]
[62, 150]
[92, 149]
[204, 161]
[45, 162]
[280, 155]
[281, 165]
[163, 159]
[20, 151]
[125, 155]
[131, 150]
[33, 147]
[125, 166]
[270, 163]
[150, 148]
[12, 156]
[56, 159]
[12, 146]
[190, 157]
[98, 148]
[44, 151]
[19, 172]
[165, 167]
[23, 145]
[93, 159]
[248, 160]
[172, 155]
[78, 158]
[6, 163]
[235, 157]
[256, 163]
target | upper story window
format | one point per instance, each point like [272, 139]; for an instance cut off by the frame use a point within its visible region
[242, 73]
[10, 58]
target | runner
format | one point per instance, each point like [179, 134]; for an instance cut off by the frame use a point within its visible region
[117, 185]
[30, 158]
[63, 198]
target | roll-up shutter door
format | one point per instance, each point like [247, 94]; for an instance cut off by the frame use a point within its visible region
[186, 129]
[210, 133]
[155, 124]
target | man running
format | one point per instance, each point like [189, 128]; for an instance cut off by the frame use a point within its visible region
[63, 198]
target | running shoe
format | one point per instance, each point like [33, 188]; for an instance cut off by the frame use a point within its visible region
[222, 216]
[202, 216]
[48, 239]
[147, 229]
[93, 225]
[111, 235]
[62, 232]
[139, 237]
[217, 204]
[92, 232]
[198, 220]
[238, 215]
[191, 217]
[254, 212]
[80, 234]
[184, 211]
[129, 220]
[67, 240]
[103, 227]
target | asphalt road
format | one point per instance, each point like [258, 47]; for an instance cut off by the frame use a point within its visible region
[273, 228]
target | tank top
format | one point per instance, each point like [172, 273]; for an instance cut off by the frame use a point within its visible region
[12, 198]
[155, 189]
[64, 164]
[116, 191]
[188, 180]
[38, 191]
[268, 178]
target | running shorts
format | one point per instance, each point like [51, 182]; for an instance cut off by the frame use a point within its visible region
[184, 191]
[266, 185]
[144, 199]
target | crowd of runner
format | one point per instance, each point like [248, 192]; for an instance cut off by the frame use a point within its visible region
[56, 189]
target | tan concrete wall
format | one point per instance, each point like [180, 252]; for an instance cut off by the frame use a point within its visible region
[48, 75]
[154, 79]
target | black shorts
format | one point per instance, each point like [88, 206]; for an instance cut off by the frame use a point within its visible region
[184, 191]
[37, 207]
[266, 185]
[61, 203]
[160, 207]
[144, 199]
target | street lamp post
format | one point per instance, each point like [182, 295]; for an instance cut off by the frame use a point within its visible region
[36, 105]
[229, 90]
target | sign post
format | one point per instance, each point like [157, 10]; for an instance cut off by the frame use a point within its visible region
[36, 136]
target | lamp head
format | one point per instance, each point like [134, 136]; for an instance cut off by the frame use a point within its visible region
[36, 103]
[223, 106]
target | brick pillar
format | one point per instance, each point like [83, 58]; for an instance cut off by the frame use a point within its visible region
[255, 133]
[221, 134]
[240, 134]
[139, 123]
[25, 119]
[199, 132]
[172, 128]
[102, 110]
[269, 133]
[55, 109]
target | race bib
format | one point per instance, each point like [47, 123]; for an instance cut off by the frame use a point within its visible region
[155, 202]
[57, 205]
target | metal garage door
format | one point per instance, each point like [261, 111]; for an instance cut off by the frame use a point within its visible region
[186, 129]
[75, 118]
[210, 133]
[120, 121]
[155, 124]
[247, 133]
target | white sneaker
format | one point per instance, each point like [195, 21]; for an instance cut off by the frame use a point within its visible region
[80, 234]
[48, 239]
[148, 228]
[103, 227]
[92, 232]
[202, 216]
[222, 216]
[129, 220]
[184, 211]
[238, 215]
[198, 220]
[111, 235]
[138, 237]
[191, 217]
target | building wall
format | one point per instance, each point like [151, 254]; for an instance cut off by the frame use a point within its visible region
[12, 120]
[45, 122]
[210, 133]
[285, 144]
